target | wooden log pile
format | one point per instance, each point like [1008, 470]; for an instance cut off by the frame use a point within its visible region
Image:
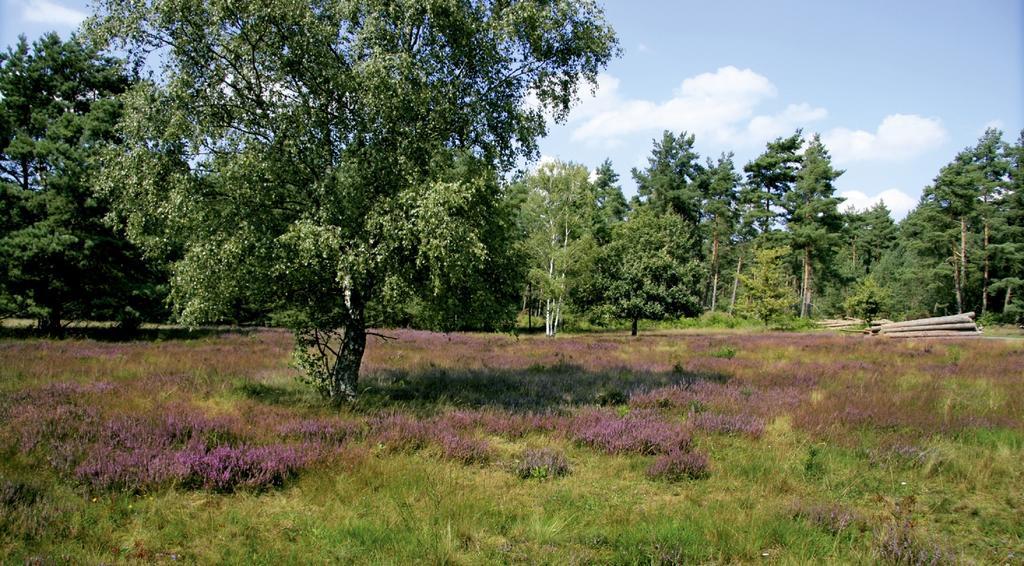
[957, 325]
[840, 323]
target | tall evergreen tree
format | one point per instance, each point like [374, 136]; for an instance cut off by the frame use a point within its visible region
[669, 183]
[60, 262]
[990, 159]
[770, 177]
[719, 214]
[1008, 249]
[955, 194]
[611, 205]
[812, 215]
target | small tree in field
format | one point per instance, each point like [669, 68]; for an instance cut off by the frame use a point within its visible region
[651, 269]
[766, 292]
[326, 159]
[868, 300]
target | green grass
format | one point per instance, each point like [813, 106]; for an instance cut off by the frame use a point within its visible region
[960, 485]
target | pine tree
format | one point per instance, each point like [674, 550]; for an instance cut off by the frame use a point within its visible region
[719, 214]
[669, 183]
[766, 292]
[812, 215]
[59, 260]
[770, 177]
[611, 205]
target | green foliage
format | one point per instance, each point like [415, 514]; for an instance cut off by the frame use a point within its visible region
[670, 182]
[766, 291]
[59, 260]
[725, 352]
[560, 218]
[650, 270]
[611, 206]
[337, 160]
[770, 177]
[868, 300]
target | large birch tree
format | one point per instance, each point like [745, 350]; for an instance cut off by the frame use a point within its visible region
[317, 156]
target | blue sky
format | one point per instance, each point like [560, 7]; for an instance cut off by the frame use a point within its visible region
[895, 88]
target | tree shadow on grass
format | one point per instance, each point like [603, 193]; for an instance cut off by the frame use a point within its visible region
[294, 395]
[534, 389]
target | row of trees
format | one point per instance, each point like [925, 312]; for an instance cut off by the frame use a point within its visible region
[679, 247]
[331, 169]
[665, 253]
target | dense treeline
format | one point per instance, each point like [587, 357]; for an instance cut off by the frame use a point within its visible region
[699, 234]
[766, 240]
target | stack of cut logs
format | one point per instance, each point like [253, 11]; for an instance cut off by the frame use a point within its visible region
[841, 323]
[957, 325]
[848, 324]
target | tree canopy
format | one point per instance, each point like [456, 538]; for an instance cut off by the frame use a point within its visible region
[60, 262]
[320, 157]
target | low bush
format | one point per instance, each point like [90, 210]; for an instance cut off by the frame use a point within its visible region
[679, 465]
[542, 463]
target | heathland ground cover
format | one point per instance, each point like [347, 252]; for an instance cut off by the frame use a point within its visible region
[475, 448]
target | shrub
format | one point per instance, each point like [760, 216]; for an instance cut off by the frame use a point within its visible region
[640, 433]
[725, 352]
[542, 463]
[679, 465]
[226, 468]
[401, 432]
[832, 518]
[14, 493]
[464, 449]
[899, 545]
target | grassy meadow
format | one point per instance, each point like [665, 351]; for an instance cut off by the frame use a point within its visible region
[674, 447]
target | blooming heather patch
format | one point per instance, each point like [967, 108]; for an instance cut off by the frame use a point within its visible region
[900, 545]
[503, 423]
[464, 449]
[226, 468]
[400, 432]
[731, 398]
[679, 465]
[641, 432]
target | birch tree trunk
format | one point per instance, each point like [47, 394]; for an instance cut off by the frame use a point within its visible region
[345, 374]
[735, 283]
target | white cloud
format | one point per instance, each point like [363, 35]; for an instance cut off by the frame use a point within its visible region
[544, 160]
[785, 122]
[997, 124]
[899, 202]
[898, 137]
[47, 12]
[642, 48]
[719, 106]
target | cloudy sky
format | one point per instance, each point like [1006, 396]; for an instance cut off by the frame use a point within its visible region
[894, 88]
